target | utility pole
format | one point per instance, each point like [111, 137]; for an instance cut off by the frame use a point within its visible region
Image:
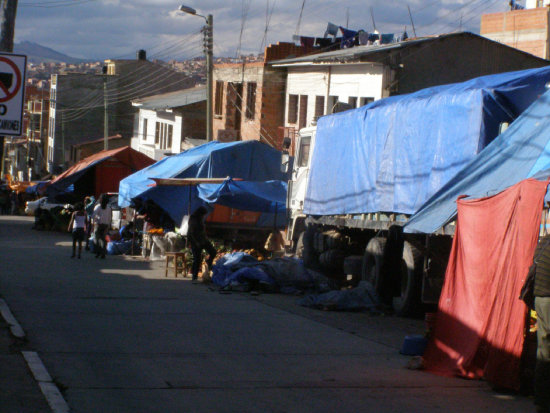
[106, 111]
[8, 11]
[209, 45]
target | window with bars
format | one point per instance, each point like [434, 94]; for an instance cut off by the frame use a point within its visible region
[366, 101]
[303, 112]
[169, 137]
[352, 100]
[250, 100]
[319, 106]
[292, 108]
[144, 129]
[218, 101]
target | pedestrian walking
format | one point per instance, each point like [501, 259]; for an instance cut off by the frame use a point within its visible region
[78, 227]
[542, 307]
[14, 200]
[196, 234]
[101, 218]
[89, 202]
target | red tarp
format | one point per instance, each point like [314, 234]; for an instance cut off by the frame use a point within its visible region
[480, 321]
[128, 156]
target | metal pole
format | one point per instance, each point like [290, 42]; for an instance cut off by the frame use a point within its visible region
[105, 115]
[209, 70]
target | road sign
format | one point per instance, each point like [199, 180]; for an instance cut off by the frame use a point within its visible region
[12, 91]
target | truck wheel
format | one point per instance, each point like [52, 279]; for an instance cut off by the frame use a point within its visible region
[408, 302]
[372, 262]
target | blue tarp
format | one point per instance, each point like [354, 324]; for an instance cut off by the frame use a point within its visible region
[248, 160]
[522, 151]
[36, 188]
[395, 153]
[267, 196]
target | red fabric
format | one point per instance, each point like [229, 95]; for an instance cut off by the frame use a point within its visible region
[478, 331]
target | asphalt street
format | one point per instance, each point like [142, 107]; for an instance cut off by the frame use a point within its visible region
[115, 335]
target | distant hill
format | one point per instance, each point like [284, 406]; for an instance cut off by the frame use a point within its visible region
[38, 54]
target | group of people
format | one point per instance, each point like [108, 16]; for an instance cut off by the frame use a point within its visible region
[84, 218]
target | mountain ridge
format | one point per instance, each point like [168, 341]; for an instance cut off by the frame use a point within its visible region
[37, 53]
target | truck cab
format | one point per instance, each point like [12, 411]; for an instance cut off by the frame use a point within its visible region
[297, 186]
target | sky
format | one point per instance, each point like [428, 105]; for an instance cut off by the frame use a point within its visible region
[116, 29]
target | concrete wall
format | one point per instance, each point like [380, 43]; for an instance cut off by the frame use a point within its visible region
[337, 81]
[455, 59]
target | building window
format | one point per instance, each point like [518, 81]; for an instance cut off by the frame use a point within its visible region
[319, 106]
[157, 133]
[144, 129]
[292, 108]
[352, 100]
[218, 104]
[250, 100]
[366, 101]
[303, 151]
[169, 138]
[332, 101]
[303, 112]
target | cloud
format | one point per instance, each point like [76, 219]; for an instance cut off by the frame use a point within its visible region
[115, 29]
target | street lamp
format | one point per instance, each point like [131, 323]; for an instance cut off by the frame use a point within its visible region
[209, 41]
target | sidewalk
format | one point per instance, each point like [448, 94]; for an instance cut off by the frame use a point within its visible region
[19, 392]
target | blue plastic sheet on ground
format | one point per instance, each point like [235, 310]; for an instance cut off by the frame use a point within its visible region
[119, 247]
[521, 152]
[395, 153]
[362, 297]
[226, 265]
[287, 275]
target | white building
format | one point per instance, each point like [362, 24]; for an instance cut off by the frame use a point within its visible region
[170, 123]
[312, 92]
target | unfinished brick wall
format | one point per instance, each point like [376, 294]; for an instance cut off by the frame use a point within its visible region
[525, 30]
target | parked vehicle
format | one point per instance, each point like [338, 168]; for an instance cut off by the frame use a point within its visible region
[44, 203]
[359, 175]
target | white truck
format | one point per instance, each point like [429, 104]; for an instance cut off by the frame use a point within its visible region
[359, 175]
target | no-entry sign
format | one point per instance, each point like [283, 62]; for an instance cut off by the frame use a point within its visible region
[12, 88]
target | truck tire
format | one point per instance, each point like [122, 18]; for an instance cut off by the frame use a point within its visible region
[373, 258]
[408, 302]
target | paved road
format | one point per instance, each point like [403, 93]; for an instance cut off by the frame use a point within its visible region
[116, 336]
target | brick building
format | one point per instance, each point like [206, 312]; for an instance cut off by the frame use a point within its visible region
[249, 97]
[526, 29]
[84, 149]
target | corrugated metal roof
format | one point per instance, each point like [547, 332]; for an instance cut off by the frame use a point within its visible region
[172, 99]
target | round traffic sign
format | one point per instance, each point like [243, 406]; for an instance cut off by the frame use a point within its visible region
[9, 88]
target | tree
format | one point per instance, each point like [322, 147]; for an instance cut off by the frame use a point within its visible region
[8, 10]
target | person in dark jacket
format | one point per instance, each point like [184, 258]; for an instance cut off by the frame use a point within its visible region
[196, 234]
[542, 307]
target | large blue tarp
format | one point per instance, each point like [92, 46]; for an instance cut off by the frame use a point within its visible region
[395, 153]
[269, 196]
[247, 160]
[522, 151]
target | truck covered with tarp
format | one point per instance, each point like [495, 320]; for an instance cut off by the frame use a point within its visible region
[247, 161]
[369, 169]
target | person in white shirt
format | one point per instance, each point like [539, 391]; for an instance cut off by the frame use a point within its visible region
[102, 221]
[78, 227]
